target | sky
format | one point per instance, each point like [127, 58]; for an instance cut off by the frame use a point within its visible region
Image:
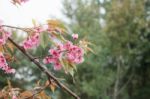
[39, 10]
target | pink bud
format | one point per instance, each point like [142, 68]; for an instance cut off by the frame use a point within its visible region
[75, 36]
[11, 71]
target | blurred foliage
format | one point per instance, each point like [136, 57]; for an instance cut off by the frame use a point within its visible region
[119, 30]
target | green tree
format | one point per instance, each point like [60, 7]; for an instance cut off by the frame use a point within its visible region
[127, 29]
[119, 69]
[93, 78]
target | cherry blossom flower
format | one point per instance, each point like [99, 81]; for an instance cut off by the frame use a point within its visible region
[75, 36]
[55, 53]
[68, 45]
[57, 66]
[54, 61]
[32, 41]
[4, 66]
[4, 36]
[70, 52]
[2, 40]
[49, 59]
[75, 54]
[10, 71]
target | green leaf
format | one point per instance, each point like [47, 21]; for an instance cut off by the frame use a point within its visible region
[71, 72]
[44, 39]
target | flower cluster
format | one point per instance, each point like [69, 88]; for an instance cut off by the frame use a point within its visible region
[74, 53]
[34, 39]
[4, 66]
[4, 35]
[68, 51]
[31, 41]
[65, 52]
[75, 36]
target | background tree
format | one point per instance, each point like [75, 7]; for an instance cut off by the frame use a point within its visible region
[119, 70]
[86, 19]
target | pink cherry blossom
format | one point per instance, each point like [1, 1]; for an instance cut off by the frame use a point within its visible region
[75, 54]
[68, 45]
[54, 58]
[27, 44]
[70, 56]
[70, 52]
[10, 71]
[32, 41]
[79, 60]
[54, 61]
[57, 66]
[55, 53]
[45, 60]
[35, 39]
[49, 59]
[4, 66]
[2, 40]
[4, 36]
[75, 36]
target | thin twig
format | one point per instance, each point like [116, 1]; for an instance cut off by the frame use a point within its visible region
[27, 30]
[8, 26]
[41, 89]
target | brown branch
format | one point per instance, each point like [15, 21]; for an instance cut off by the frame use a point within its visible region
[13, 27]
[45, 70]
[18, 28]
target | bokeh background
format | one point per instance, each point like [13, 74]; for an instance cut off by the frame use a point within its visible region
[119, 31]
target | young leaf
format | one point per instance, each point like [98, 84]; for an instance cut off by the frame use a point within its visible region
[53, 87]
[34, 22]
[44, 39]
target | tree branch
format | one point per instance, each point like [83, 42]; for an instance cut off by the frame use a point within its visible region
[45, 70]
[13, 27]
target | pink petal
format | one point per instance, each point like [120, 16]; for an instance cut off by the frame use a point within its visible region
[75, 36]
[57, 66]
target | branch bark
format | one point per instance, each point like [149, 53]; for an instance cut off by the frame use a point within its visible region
[45, 70]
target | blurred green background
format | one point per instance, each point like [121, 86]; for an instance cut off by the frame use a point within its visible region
[120, 66]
